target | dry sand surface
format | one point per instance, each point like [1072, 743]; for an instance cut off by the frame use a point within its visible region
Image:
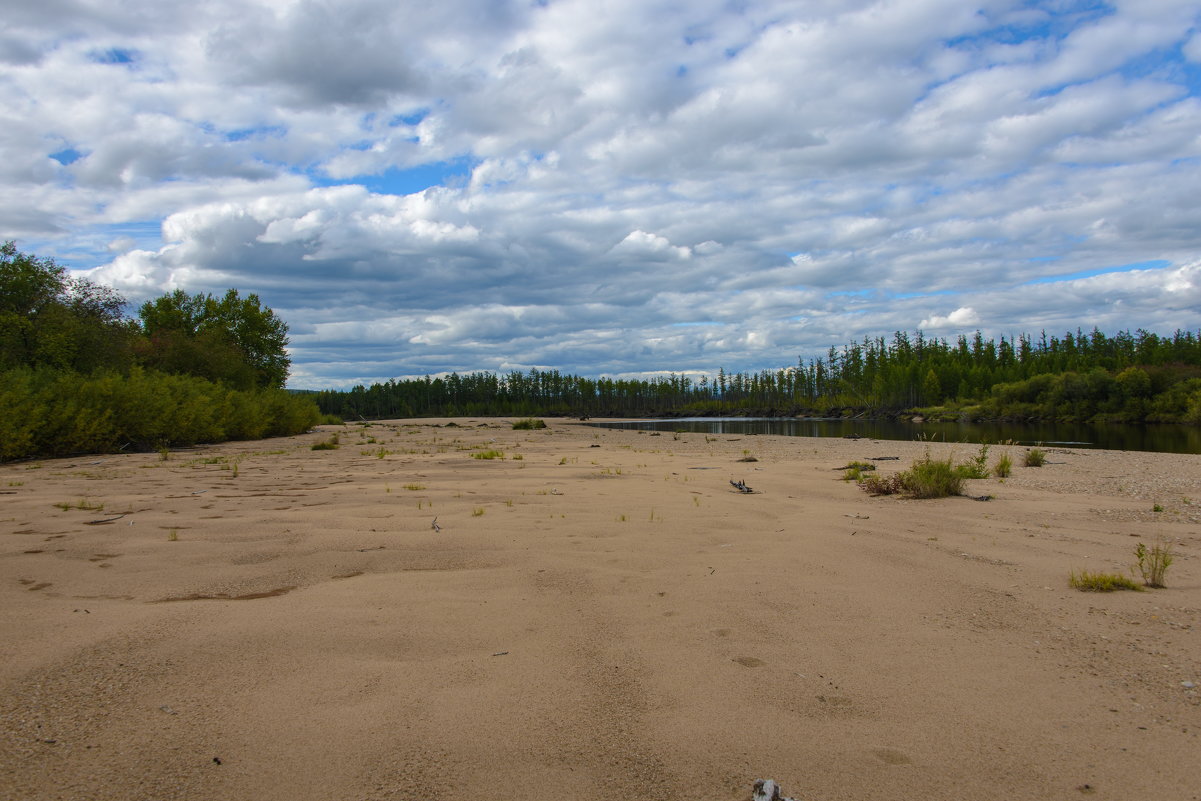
[600, 616]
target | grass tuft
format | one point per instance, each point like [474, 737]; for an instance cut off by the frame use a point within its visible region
[529, 424]
[1036, 457]
[1101, 582]
[491, 454]
[330, 444]
[1003, 467]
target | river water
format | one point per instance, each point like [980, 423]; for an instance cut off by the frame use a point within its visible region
[1164, 438]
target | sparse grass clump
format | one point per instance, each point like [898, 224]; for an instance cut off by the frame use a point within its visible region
[83, 504]
[1101, 582]
[854, 470]
[529, 424]
[976, 467]
[490, 454]
[477, 512]
[1153, 562]
[927, 478]
[1036, 457]
[414, 487]
[330, 444]
[1003, 467]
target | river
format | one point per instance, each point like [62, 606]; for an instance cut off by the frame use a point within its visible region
[1165, 438]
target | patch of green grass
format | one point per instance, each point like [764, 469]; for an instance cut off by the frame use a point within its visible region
[1003, 467]
[414, 487]
[477, 512]
[173, 535]
[330, 444]
[490, 454]
[1157, 508]
[1154, 562]
[1036, 457]
[529, 424]
[1101, 582]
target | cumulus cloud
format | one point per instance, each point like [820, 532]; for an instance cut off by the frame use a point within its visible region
[496, 185]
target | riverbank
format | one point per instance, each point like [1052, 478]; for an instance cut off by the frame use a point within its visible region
[591, 613]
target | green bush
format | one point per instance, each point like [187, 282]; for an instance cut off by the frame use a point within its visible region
[529, 424]
[932, 478]
[48, 412]
[1003, 467]
[1036, 457]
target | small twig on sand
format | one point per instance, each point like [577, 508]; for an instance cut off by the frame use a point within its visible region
[434, 525]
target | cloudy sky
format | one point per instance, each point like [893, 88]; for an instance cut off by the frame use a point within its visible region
[614, 187]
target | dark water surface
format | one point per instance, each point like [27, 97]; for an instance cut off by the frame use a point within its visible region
[1121, 437]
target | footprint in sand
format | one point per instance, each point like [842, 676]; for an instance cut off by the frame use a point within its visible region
[750, 661]
[891, 756]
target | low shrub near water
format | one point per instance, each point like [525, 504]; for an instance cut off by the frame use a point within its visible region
[927, 478]
[529, 424]
[933, 478]
[1036, 457]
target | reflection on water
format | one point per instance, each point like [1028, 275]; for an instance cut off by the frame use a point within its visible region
[1160, 438]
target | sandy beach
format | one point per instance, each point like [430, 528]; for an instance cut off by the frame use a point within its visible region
[591, 614]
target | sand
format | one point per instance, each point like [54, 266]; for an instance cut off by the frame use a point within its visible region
[599, 616]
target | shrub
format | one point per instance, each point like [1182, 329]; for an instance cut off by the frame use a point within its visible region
[1003, 467]
[1101, 582]
[932, 478]
[493, 454]
[1153, 562]
[880, 485]
[1036, 457]
[529, 424]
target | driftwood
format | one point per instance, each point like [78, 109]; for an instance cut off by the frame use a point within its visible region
[741, 487]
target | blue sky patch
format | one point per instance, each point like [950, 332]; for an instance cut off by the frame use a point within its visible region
[399, 181]
[114, 55]
[1155, 264]
[68, 155]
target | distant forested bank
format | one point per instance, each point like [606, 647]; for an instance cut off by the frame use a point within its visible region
[78, 376]
[1127, 377]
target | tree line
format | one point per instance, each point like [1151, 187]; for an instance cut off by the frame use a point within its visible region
[78, 375]
[1131, 377]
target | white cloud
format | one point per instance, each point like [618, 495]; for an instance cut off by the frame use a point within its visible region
[659, 187]
[960, 319]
